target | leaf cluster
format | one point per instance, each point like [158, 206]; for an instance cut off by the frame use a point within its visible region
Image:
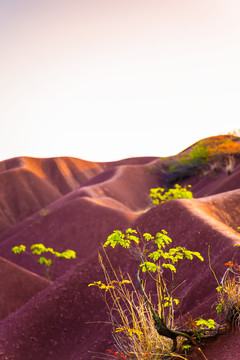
[202, 323]
[117, 237]
[39, 249]
[160, 195]
[161, 240]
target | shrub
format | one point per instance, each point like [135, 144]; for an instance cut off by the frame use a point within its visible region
[229, 295]
[139, 326]
[160, 195]
[229, 292]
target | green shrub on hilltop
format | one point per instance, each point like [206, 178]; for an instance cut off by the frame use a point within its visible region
[218, 152]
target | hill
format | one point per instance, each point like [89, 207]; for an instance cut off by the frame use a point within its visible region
[69, 203]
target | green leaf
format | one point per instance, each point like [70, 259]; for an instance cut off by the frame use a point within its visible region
[148, 236]
[169, 301]
[198, 255]
[68, 254]
[133, 238]
[186, 347]
[43, 260]
[18, 249]
[38, 249]
[149, 266]
[155, 255]
[188, 255]
[101, 286]
[210, 323]
[169, 266]
[117, 237]
[131, 231]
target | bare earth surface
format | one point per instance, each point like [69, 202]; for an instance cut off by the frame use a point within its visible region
[69, 203]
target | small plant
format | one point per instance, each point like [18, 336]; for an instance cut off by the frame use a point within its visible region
[229, 293]
[140, 327]
[160, 195]
[38, 249]
[44, 212]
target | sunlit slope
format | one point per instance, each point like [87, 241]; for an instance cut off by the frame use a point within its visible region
[28, 184]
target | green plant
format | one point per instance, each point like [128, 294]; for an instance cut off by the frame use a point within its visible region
[38, 249]
[199, 153]
[229, 292]
[160, 195]
[229, 295]
[137, 317]
[188, 163]
[131, 318]
[196, 157]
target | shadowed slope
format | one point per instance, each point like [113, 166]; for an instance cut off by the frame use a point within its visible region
[17, 286]
[80, 225]
[216, 183]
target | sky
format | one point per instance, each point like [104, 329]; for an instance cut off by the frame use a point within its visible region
[104, 80]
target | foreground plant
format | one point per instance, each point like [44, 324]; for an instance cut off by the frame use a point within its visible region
[138, 324]
[229, 295]
[39, 249]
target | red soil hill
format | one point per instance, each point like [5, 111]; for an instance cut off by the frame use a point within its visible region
[83, 203]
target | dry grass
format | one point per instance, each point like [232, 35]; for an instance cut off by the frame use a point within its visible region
[230, 300]
[229, 164]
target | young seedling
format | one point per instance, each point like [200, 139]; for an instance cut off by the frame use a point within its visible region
[38, 249]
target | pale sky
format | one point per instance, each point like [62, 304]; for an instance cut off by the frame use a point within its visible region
[104, 80]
